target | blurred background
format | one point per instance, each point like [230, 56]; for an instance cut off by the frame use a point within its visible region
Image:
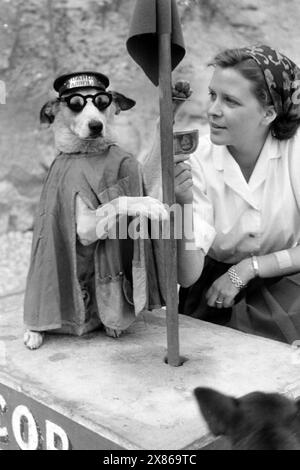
[41, 39]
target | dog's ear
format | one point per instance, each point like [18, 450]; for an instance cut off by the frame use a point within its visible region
[122, 103]
[218, 410]
[49, 111]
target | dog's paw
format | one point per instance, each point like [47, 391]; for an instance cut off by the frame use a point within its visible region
[33, 339]
[113, 333]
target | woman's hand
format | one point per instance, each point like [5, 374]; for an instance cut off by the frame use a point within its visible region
[222, 293]
[183, 180]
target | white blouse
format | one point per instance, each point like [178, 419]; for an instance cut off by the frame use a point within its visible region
[234, 219]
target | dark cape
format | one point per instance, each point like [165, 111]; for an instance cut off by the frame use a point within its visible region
[73, 288]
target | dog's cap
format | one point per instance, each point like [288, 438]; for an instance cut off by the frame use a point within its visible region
[75, 80]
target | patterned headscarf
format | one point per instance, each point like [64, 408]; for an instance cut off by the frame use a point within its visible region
[282, 77]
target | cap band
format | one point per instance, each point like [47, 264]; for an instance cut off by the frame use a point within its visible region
[81, 81]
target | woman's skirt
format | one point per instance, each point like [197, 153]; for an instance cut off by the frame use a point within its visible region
[266, 307]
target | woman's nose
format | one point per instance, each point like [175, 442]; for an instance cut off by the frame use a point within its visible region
[214, 108]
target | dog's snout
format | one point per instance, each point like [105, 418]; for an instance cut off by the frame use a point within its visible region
[96, 126]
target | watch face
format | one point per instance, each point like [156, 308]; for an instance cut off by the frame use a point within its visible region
[185, 141]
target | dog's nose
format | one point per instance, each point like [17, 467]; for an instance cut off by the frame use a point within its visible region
[96, 126]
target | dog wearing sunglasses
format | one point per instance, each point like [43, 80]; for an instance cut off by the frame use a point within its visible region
[257, 421]
[62, 276]
[82, 120]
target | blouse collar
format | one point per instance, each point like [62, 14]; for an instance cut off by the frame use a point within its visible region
[233, 177]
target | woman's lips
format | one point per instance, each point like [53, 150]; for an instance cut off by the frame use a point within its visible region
[216, 126]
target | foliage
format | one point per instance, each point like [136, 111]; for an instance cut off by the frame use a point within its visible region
[208, 8]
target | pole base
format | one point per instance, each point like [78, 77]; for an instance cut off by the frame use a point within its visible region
[181, 361]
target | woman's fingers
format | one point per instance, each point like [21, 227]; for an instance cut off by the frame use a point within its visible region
[183, 175]
[211, 300]
[184, 185]
[228, 302]
[182, 168]
[217, 299]
[181, 158]
[219, 302]
[184, 178]
[211, 296]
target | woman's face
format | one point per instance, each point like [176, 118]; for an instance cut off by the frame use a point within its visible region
[236, 117]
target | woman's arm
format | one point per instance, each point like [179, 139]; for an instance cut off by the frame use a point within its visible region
[190, 259]
[280, 263]
[275, 264]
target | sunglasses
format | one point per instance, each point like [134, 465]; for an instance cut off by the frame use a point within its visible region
[77, 101]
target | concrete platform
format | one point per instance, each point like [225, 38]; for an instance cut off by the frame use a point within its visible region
[120, 393]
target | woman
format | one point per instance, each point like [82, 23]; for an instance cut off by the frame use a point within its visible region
[246, 197]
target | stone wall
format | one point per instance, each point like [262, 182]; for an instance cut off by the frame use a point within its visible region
[43, 38]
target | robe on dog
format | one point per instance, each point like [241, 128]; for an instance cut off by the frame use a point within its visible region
[72, 288]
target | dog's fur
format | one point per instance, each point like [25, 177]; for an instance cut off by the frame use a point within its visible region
[71, 130]
[91, 131]
[88, 131]
[257, 421]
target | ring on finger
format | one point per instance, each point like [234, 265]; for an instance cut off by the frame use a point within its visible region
[219, 302]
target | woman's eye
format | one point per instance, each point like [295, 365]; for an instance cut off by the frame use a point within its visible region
[230, 101]
[212, 94]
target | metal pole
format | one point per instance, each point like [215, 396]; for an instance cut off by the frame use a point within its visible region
[167, 160]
